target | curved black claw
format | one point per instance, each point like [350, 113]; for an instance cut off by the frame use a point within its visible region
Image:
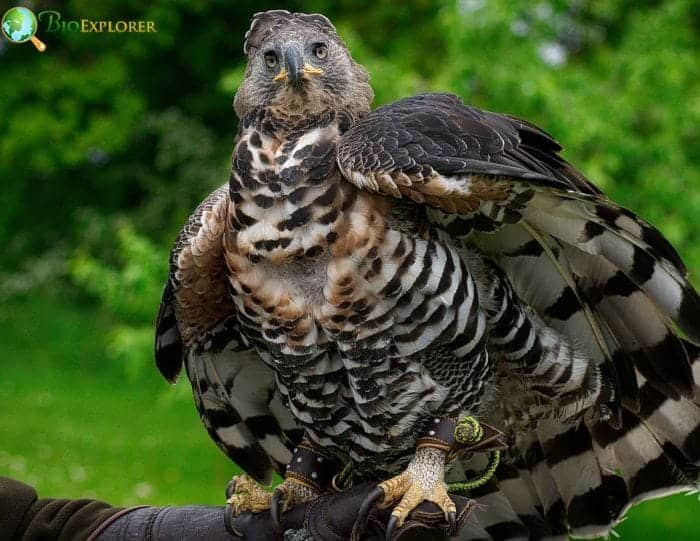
[361, 520]
[390, 527]
[228, 511]
[231, 488]
[277, 501]
[228, 521]
[452, 519]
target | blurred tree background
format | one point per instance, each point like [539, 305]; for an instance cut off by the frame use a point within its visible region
[109, 141]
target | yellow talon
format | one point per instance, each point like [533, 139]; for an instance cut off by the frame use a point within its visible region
[248, 496]
[411, 494]
[411, 499]
[441, 498]
[394, 488]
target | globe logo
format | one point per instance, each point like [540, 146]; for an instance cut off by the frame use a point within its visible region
[19, 26]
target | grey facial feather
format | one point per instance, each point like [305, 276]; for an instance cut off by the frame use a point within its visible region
[343, 87]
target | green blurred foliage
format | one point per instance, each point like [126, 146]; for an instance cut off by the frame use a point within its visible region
[127, 132]
[141, 125]
[109, 141]
[73, 426]
[129, 287]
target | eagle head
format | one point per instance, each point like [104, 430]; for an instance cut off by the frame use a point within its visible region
[298, 64]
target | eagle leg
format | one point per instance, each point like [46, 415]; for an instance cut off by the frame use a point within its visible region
[424, 477]
[244, 495]
[290, 493]
[423, 480]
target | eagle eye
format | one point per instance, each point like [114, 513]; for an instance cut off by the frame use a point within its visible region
[320, 51]
[270, 59]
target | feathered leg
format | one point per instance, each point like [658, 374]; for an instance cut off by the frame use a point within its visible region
[423, 480]
[554, 368]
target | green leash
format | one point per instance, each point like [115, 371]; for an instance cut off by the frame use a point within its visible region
[480, 480]
[343, 480]
[469, 432]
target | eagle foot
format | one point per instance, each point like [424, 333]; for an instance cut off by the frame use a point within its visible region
[411, 493]
[423, 480]
[243, 494]
[290, 493]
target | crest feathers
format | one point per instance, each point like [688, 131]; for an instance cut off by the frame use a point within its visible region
[266, 22]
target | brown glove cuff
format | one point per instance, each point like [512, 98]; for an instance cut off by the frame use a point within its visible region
[441, 435]
[467, 435]
[311, 467]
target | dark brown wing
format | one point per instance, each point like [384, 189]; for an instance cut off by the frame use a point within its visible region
[433, 147]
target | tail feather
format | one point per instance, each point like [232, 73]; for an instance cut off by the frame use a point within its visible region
[674, 423]
[602, 229]
[234, 393]
[634, 454]
[495, 512]
[694, 356]
[473, 531]
[497, 517]
[647, 341]
[616, 288]
[516, 485]
[553, 510]
[581, 478]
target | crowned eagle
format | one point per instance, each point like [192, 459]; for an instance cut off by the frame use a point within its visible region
[421, 291]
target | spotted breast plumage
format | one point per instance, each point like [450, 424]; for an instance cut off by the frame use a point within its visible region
[365, 275]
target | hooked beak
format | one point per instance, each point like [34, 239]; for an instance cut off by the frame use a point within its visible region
[295, 69]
